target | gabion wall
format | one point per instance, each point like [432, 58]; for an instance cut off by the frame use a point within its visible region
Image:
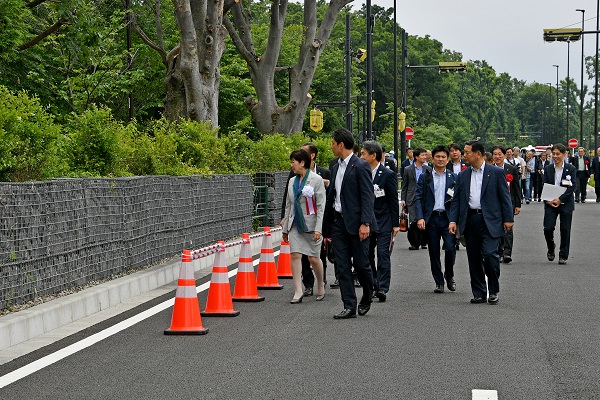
[58, 234]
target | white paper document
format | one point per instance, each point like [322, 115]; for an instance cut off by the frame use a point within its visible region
[551, 192]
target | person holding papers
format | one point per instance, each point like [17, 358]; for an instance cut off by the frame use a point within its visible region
[559, 177]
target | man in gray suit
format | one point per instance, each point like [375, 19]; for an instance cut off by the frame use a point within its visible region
[409, 188]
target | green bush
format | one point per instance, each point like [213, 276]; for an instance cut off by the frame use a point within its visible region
[29, 139]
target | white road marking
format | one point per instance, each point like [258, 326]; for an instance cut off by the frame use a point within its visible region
[479, 394]
[50, 359]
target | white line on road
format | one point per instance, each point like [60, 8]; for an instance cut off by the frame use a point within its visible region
[479, 394]
[50, 359]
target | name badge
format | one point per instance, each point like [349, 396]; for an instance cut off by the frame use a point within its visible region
[379, 193]
[566, 182]
[450, 192]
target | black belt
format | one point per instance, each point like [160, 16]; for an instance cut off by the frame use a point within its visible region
[439, 213]
[475, 211]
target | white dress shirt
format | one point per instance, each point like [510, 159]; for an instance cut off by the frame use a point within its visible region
[337, 204]
[475, 190]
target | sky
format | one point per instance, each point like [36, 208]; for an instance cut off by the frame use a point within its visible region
[505, 33]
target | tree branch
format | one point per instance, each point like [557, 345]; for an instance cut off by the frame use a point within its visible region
[159, 49]
[249, 57]
[43, 35]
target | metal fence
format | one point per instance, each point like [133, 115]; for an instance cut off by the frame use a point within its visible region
[59, 234]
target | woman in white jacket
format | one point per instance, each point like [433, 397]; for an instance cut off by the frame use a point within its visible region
[303, 221]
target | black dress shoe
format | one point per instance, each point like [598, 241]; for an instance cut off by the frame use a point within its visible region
[438, 289]
[345, 314]
[381, 295]
[493, 299]
[356, 282]
[308, 291]
[562, 261]
[451, 284]
[583, 201]
[335, 284]
[364, 308]
[507, 259]
[477, 300]
[550, 253]
[413, 247]
[424, 247]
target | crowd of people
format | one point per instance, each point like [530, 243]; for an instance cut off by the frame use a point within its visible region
[452, 195]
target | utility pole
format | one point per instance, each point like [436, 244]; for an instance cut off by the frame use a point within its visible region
[403, 132]
[348, 68]
[369, 116]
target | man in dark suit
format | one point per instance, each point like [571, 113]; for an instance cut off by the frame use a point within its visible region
[456, 163]
[559, 173]
[596, 172]
[512, 177]
[385, 188]
[581, 162]
[433, 197]
[543, 163]
[409, 160]
[409, 187]
[348, 221]
[308, 279]
[481, 207]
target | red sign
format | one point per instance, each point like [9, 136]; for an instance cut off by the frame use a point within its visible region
[573, 143]
[409, 133]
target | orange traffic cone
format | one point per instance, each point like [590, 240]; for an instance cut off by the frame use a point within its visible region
[284, 263]
[186, 318]
[218, 303]
[267, 271]
[245, 282]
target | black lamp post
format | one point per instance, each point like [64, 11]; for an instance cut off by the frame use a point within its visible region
[556, 121]
[582, 65]
[549, 137]
[596, 78]
[568, 85]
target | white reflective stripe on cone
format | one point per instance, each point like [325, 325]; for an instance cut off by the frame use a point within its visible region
[186, 292]
[219, 277]
[245, 267]
[187, 271]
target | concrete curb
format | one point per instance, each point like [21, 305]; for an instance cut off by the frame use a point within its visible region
[38, 320]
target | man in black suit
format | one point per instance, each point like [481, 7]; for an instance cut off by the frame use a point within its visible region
[456, 163]
[435, 190]
[385, 188]
[543, 163]
[512, 177]
[348, 221]
[596, 173]
[562, 174]
[409, 188]
[581, 162]
[481, 207]
[308, 279]
[409, 160]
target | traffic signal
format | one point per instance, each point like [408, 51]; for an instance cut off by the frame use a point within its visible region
[452, 66]
[316, 120]
[562, 35]
[372, 110]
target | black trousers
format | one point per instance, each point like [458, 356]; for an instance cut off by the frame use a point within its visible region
[482, 254]
[581, 191]
[351, 251]
[566, 217]
[436, 229]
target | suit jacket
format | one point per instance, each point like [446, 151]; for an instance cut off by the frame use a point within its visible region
[403, 166]
[391, 165]
[425, 194]
[569, 173]
[409, 188]
[596, 168]
[450, 165]
[314, 222]
[322, 172]
[586, 160]
[496, 205]
[514, 186]
[356, 195]
[387, 207]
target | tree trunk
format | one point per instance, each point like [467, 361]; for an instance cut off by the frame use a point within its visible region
[267, 114]
[193, 77]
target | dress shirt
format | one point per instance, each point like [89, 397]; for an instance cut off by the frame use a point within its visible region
[418, 171]
[581, 166]
[475, 189]
[558, 174]
[374, 172]
[439, 188]
[456, 167]
[342, 164]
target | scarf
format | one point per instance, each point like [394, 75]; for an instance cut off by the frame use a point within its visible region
[298, 214]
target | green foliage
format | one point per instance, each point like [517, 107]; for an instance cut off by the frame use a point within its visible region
[29, 139]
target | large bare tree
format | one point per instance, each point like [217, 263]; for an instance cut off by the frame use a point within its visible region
[269, 116]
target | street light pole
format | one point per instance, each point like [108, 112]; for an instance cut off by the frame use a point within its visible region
[369, 116]
[398, 160]
[596, 79]
[582, 64]
[404, 61]
[568, 85]
[549, 137]
[556, 120]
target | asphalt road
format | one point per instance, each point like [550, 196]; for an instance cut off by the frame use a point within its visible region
[540, 342]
